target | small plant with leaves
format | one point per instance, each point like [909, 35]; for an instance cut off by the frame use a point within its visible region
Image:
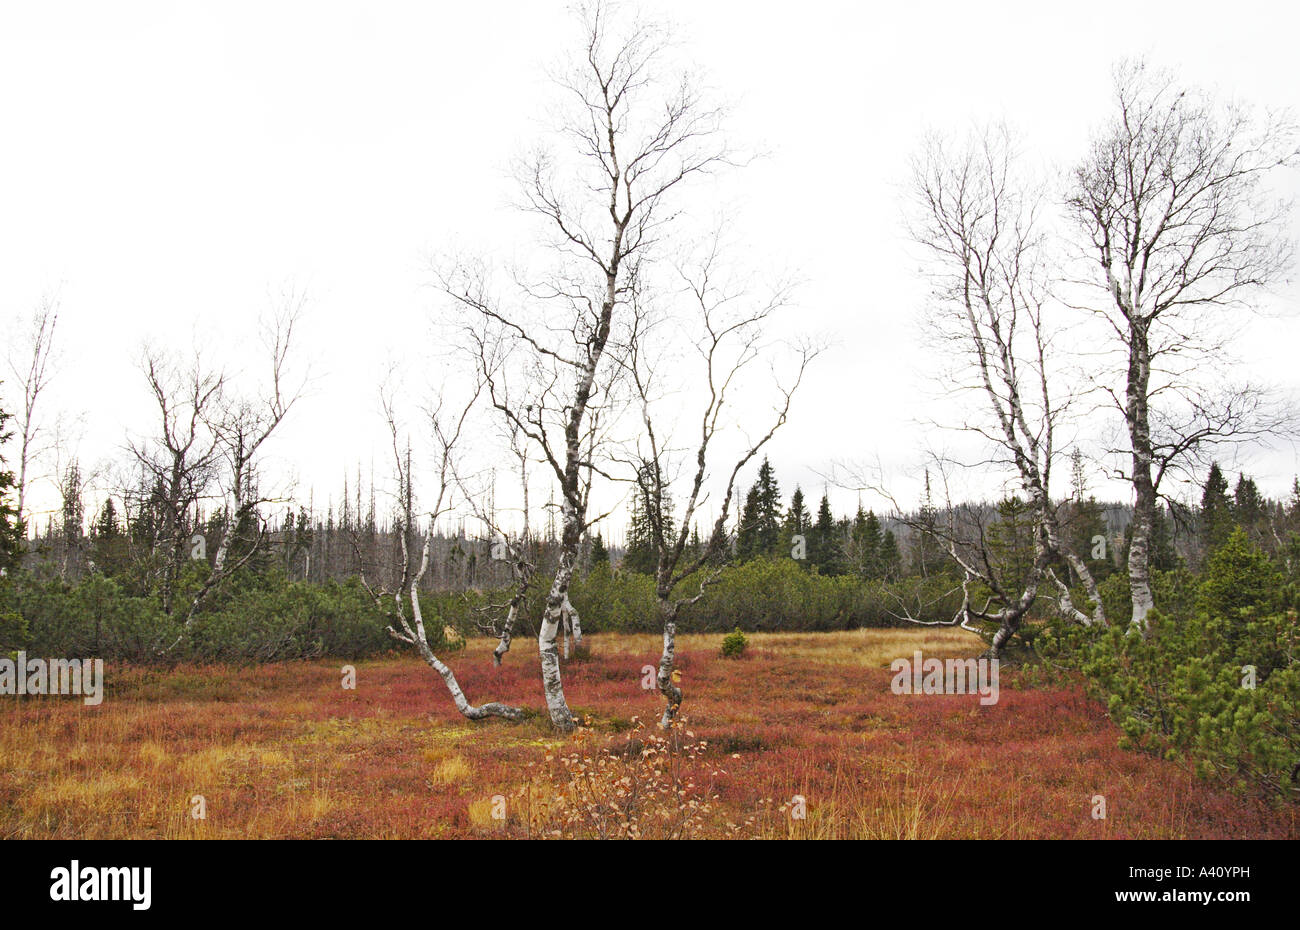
[734, 644]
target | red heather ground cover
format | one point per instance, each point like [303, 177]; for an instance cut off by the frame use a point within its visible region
[284, 751]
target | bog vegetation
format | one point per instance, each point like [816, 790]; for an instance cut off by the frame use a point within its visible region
[615, 366]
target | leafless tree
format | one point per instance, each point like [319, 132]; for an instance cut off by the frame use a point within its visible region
[978, 225]
[29, 362]
[447, 427]
[179, 462]
[700, 339]
[514, 547]
[632, 135]
[1180, 234]
[241, 425]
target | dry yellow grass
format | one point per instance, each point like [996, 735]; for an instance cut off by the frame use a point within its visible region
[282, 751]
[450, 771]
[871, 648]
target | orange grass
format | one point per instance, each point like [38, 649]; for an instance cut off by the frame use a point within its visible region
[284, 751]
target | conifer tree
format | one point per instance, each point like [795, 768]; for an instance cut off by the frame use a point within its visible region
[642, 553]
[108, 544]
[827, 549]
[760, 520]
[1216, 511]
[1162, 555]
[891, 559]
[639, 554]
[1011, 542]
[599, 552]
[1086, 521]
[1249, 509]
[11, 526]
[865, 542]
[747, 532]
[928, 554]
[798, 522]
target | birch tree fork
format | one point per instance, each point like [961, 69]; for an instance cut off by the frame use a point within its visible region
[714, 319]
[633, 134]
[1178, 230]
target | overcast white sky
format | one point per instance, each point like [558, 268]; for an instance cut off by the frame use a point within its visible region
[165, 167]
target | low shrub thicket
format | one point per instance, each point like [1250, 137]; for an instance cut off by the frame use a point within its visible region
[1217, 686]
[266, 617]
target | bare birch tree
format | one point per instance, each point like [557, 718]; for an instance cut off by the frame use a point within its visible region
[512, 547]
[714, 319]
[633, 134]
[29, 362]
[978, 224]
[447, 428]
[1179, 231]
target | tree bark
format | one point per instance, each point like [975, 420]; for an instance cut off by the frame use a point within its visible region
[1144, 492]
[667, 687]
[552, 685]
[417, 638]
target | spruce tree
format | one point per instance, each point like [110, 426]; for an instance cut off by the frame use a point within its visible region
[928, 555]
[1249, 509]
[747, 546]
[1086, 520]
[599, 552]
[1216, 511]
[1162, 555]
[1011, 543]
[891, 560]
[11, 526]
[694, 545]
[759, 533]
[865, 544]
[798, 522]
[827, 550]
[641, 554]
[108, 544]
[769, 510]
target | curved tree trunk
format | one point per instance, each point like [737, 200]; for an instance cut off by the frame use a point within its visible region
[417, 638]
[552, 685]
[507, 634]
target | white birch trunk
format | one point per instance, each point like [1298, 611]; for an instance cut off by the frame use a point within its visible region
[417, 638]
[552, 685]
[667, 687]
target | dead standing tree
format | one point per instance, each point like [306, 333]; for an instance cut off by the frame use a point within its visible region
[715, 319]
[633, 134]
[29, 364]
[1176, 227]
[978, 225]
[179, 462]
[242, 426]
